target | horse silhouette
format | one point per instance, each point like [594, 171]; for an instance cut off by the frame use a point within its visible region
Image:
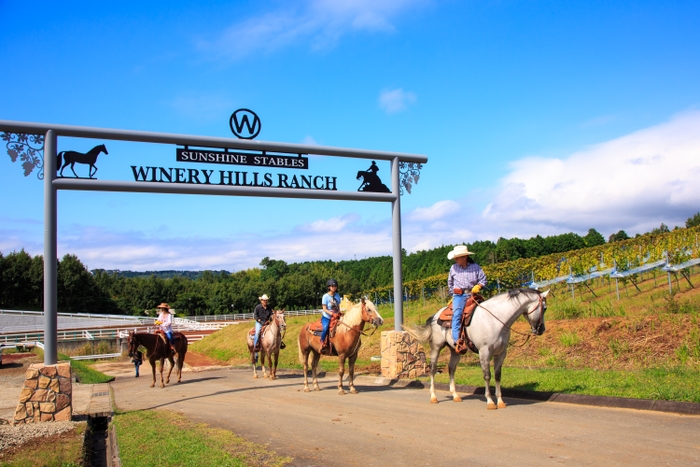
[370, 182]
[71, 157]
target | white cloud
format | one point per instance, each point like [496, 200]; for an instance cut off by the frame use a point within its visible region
[395, 100]
[335, 224]
[321, 23]
[633, 183]
[438, 211]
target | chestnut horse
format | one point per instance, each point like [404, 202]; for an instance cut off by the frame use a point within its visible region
[270, 343]
[346, 343]
[156, 349]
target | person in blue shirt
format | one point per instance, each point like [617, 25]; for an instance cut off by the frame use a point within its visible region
[331, 307]
[464, 279]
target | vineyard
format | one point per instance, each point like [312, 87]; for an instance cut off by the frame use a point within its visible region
[675, 247]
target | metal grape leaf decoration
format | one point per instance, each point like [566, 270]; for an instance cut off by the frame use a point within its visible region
[27, 148]
[410, 174]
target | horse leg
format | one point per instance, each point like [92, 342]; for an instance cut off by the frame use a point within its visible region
[351, 373]
[92, 174]
[273, 369]
[72, 167]
[314, 369]
[180, 364]
[497, 363]
[485, 359]
[172, 365]
[434, 354]
[452, 366]
[162, 364]
[153, 369]
[305, 358]
[341, 373]
[263, 357]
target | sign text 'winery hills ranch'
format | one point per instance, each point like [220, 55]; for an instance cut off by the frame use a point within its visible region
[236, 177]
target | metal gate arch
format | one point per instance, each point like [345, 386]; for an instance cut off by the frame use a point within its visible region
[52, 184]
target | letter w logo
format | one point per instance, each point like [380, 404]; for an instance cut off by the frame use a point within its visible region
[241, 125]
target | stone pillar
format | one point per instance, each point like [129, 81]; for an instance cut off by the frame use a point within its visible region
[402, 356]
[47, 394]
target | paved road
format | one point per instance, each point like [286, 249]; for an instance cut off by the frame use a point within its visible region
[388, 425]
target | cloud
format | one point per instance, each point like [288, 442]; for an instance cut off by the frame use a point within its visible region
[438, 211]
[335, 224]
[318, 23]
[634, 183]
[395, 100]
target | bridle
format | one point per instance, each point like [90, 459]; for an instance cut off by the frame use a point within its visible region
[370, 321]
[542, 305]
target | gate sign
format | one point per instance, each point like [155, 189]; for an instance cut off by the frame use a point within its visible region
[260, 159]
[245, 124]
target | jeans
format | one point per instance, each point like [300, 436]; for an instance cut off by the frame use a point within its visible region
[169, 335]
[325, 322]
[258, 327]
[136, 366]
[458, 302]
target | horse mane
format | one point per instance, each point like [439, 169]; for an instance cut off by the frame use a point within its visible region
[531, 293]
[353, 317]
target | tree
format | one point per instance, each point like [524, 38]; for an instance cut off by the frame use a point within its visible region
[663, 228]
[618, 237]
[593, 238]
[693, 221]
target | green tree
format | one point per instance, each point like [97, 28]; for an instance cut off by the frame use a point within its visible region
[618, 237]
[693, 221]
[593, 238]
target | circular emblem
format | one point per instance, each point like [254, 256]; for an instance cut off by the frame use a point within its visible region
[245, 124]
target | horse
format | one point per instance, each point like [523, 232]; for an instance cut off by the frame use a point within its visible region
[157, 349]
[370, 182]
[71, 157]
[489, 330]
[345, 343]
[270, 343]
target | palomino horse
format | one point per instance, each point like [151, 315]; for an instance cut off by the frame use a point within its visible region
[490, 332]
[157, 349]
[270, 343]
[71, 157]
[346, 343]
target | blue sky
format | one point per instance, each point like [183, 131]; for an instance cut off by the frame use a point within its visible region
[537, 118]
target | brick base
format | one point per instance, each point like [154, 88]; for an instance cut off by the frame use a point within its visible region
[47, 394]
[402, 356]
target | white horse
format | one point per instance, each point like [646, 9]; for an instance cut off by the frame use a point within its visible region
[489, 331]
[270, 343]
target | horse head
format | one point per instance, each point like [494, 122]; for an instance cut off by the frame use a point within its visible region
[279, 317]
[535, 313]
[132, 344]
[360, 174]
[370, 313]
[103, 148]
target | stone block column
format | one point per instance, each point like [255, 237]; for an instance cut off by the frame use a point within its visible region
[47, 394]
[402, 356]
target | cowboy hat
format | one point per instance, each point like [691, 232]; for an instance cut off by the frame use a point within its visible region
[164, 306]
[264, 297]
[459, 250]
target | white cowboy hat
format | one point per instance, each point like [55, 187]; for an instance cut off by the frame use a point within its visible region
[264, 297]
[459, 250]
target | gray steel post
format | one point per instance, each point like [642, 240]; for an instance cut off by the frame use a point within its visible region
[50, 251]
[396, 224]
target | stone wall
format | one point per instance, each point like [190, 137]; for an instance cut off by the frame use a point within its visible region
[47, 394]
[402, 356]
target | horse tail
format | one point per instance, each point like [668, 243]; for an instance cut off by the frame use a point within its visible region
[423, 333]
[59, 160]
[301, 354]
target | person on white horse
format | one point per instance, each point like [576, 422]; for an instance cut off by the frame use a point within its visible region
[262, 315]
[464, 279]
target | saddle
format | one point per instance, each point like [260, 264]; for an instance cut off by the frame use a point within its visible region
[445, 320]
[251, 333]
[164, 338]
[316, 328]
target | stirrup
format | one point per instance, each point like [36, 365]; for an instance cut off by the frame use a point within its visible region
[461, 347]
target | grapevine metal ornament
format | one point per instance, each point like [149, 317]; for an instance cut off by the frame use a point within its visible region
[410, 174]
[27, 148]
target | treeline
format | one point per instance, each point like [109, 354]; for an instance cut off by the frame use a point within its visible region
[293, 286]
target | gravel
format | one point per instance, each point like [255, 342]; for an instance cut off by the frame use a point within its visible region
[20, 434]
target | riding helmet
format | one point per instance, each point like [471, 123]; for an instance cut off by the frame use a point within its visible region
[332, 282]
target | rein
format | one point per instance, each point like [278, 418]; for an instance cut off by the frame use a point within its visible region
[540, 305]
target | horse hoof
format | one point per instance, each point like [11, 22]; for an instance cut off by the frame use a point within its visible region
[353, 391]
[491, 406]
[502, 405]
[306, 390]
[457, 399]
[255, 376]
[153, 385]
[316, 388]
[341, 392]
[433, 400]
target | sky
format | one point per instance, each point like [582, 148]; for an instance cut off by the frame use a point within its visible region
[537, 117]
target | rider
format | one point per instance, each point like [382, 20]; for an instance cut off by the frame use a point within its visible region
[464, 279]
[165, 321]
[331, 307]
[262, 315]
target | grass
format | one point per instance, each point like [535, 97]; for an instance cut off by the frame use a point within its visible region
[64, 450]
[164, 439]
[677, 384]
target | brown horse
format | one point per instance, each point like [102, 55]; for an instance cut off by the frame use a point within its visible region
[345, 343]
[270, 342]
[157, 349]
